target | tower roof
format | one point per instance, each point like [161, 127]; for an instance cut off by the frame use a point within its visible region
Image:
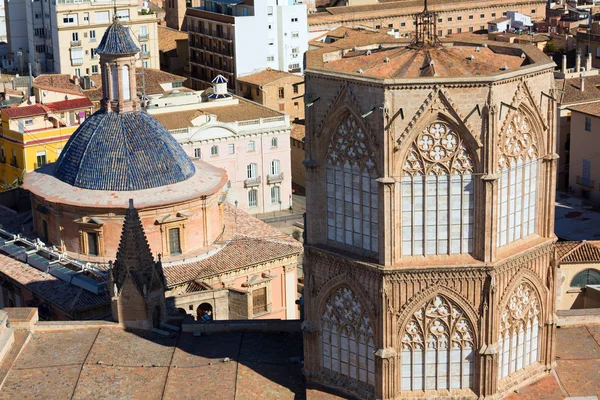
[122, 151]
[134, 257]
[117, 41]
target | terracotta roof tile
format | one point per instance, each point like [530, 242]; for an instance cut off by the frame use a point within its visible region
[563, 248]
[71, 104]
[25, 111]
[167, 38]
[584, 252]
[266, 76]
[179, 119]
[572, 93]
[592, 109]
[245, 110]
[57, 82]
[64, 295]
[298, 130]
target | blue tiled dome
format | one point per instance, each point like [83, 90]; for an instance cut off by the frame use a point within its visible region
[117, 41]
[128, 151]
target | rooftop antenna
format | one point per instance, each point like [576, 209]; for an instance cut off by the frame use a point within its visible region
[425, 29]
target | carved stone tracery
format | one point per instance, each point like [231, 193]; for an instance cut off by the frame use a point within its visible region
[438, 150]
[516, 142]
[349, 146]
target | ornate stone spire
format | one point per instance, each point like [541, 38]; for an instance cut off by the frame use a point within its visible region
[134, 258]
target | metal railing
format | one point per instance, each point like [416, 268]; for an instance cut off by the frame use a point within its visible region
[14, 163]
[143, 38]
[145, 54]
[77, 61]
[586, 182]
[76, 43]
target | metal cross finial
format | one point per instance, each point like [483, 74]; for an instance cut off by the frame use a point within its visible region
[115, 9]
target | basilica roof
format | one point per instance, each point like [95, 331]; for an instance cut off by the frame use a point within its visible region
[122, 151]
[117, 41]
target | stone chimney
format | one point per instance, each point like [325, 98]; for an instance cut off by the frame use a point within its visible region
[588, 62]
[563, 68]
[578, 63]
[582, 80]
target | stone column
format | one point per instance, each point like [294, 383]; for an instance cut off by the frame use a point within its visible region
[385, 373]
[488, 349]
[387, 210]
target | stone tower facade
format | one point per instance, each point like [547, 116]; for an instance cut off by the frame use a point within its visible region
[137, 283]
[430, 173]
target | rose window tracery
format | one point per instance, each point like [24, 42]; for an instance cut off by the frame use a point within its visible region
[516, 143]
[349, 146]
[437, 348]
[519, 328]
[438, 150]
[347, 337]
[437, 194]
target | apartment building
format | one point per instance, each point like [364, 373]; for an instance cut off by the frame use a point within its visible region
[61, 36]
[277, 90]
[175, 13]
[34, 135]
[453, 16]
[249, 141]
[584, 179]
[235, 38]
[588, 41]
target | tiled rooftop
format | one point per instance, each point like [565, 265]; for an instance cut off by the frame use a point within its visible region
[83, 364]
[167, 38]
[298, 130]
[267, 76]
[59, 82]
[41, 109]
[578, 252]
[570, 89]
[68, 297]
[376, 54]
[179, 119]
[592, 109]
[243, 111]
[122, 152]
[117, 41]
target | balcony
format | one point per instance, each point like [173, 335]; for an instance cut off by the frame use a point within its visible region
[585, 182]
[2, 159]
[92, 39]
[145, 54]
[77, 61]
[275, 178]
[75, 43]
[143, 38]
[14, 163]
[250, 182]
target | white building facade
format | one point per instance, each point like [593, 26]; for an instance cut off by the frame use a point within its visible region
[61, 35]
[242, 38]
[254, 150]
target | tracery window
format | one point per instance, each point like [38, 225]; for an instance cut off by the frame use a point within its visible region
[437, 194]
[352, 216]
[437, 348]
[519, 328]
[518, 182]
[347, 337]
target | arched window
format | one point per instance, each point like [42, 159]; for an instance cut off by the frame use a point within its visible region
[519, 328]
[252, 198]
[251, 145]
[251, 171]
[273, 142]
[115, 82]
[214, 150]
[274, 169]
[437, 194]
[437, 348]
[518, 182]
[352, 216]
[347, 337]
[126, 85]
[586, 277]
[275, 194]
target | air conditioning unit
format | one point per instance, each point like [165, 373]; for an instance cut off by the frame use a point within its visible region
[85, 82]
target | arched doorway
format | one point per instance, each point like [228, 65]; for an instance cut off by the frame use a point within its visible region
[204, 312]
[156, 317]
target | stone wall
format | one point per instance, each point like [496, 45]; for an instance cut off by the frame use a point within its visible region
[238, 304]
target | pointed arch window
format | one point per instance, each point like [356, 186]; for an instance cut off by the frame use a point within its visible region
[347, 338]
[437, 348]
[518, 181]
[518, 339]
[437, 194]
[352, 216]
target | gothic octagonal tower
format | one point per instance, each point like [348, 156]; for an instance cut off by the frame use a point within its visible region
[121, 153]
[430, 190]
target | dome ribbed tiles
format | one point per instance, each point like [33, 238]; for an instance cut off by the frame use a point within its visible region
[130, 151]
[117, 41]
